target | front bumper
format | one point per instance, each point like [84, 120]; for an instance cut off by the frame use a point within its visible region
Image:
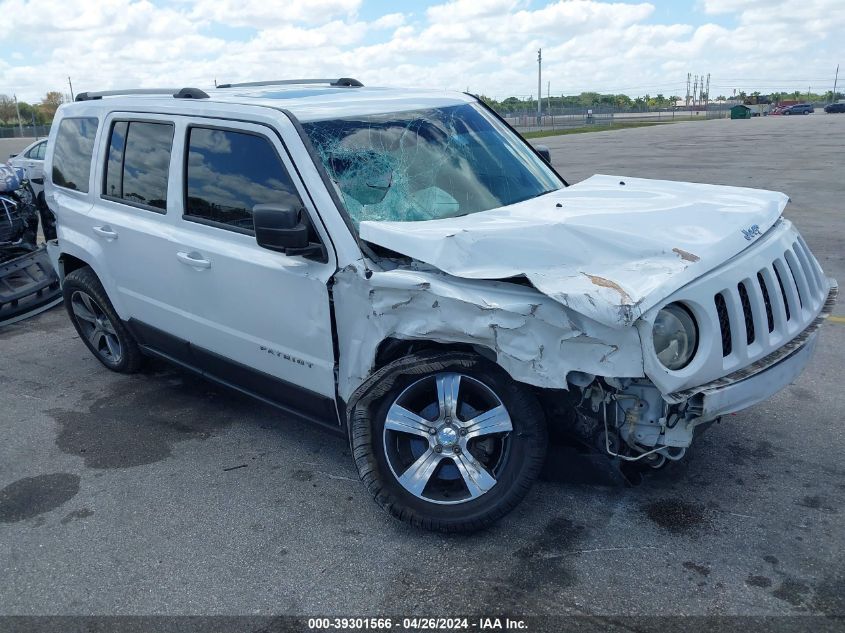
[723, 400]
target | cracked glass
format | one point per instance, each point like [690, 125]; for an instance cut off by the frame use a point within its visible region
[427, 164]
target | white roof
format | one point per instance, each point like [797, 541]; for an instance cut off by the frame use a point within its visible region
[307, 102]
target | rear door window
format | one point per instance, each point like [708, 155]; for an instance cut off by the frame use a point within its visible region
[228, 173]
[73, 152]
[37, 152]
[138, 163]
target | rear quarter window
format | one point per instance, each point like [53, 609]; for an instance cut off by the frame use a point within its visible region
[73, 152]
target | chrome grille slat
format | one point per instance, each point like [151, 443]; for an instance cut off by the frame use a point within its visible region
[736, 316]
[758, 311]
[747, 312]
[814, 265]
[799, 278]
[788, 289]
[779, 308]
[809, 274]
[767, 301]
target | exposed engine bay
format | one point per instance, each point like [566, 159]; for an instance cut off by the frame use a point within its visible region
[628, 419]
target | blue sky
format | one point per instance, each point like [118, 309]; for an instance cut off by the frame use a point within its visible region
[488, 46]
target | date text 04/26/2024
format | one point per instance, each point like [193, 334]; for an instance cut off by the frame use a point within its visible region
[417, 624]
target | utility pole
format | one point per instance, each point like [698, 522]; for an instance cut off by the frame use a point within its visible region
[539, 85]
[835, 79]
[18, 113]
[686, 103]
[69, 83]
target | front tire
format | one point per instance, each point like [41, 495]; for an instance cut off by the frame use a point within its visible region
[98, 325]
[447, 441]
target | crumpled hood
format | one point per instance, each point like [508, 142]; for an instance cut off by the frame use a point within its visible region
[609, 247]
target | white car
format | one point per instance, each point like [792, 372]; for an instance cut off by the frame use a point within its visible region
[402, 266]
[31, 160]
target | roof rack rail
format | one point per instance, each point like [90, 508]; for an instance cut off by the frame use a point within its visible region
[345, 82]
[177, 93]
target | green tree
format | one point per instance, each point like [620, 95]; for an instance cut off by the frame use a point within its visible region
[7, 109]
[51, 102]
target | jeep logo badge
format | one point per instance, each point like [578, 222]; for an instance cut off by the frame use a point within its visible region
[751, 232]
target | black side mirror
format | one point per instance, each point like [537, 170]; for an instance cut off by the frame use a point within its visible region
[543, 151]
[286, 230]
[12, 155]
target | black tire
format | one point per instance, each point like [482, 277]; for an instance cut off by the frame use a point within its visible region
[85, 295]
[520, 459]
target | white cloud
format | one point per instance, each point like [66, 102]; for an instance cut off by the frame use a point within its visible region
[487, 46]
[389, 21]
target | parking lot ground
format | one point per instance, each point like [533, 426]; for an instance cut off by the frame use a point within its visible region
[160, 493]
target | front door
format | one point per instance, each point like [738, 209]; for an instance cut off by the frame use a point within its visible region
[254, 317]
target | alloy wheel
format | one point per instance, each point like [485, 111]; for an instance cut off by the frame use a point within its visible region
[447, 437]
[96, 327]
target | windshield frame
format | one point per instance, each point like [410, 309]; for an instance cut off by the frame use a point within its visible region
[505, 128]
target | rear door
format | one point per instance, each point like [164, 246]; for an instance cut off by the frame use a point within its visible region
[129, 220]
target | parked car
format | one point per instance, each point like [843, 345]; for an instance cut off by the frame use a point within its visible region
[798, 108]
[31, 160]
[835, 107]
[403, 267]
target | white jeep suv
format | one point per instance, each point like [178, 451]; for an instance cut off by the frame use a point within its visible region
[402, 266]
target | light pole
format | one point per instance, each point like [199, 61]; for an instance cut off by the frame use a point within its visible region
[539, 86]
[18, 114]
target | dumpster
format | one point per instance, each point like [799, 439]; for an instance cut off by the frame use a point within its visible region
[740, 112]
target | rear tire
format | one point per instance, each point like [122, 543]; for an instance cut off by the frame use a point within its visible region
[447, 441]
[98, 325]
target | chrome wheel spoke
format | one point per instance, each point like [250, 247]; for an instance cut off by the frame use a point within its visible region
[92, 307]
[475, 476]
[404, 421]
[416, 477]
[96, 337]
[448, 386]
[113, 346]
[107, 327]
[81, 310]
[496, 420]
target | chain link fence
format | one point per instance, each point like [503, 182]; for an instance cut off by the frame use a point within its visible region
[527, 120]
[28, 131]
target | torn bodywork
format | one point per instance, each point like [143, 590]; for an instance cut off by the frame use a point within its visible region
[535, 339]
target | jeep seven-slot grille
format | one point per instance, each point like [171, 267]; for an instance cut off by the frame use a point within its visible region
[772, 298]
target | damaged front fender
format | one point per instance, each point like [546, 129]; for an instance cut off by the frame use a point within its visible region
[535, 339]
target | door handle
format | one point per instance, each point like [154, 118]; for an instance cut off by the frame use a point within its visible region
[193, 259]
[106, 232]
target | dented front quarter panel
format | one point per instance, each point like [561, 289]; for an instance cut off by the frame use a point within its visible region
[535, 339]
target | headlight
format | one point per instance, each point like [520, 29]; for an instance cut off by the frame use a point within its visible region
[675, 336]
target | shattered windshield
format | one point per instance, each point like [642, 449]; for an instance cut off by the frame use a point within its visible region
[427, 164]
